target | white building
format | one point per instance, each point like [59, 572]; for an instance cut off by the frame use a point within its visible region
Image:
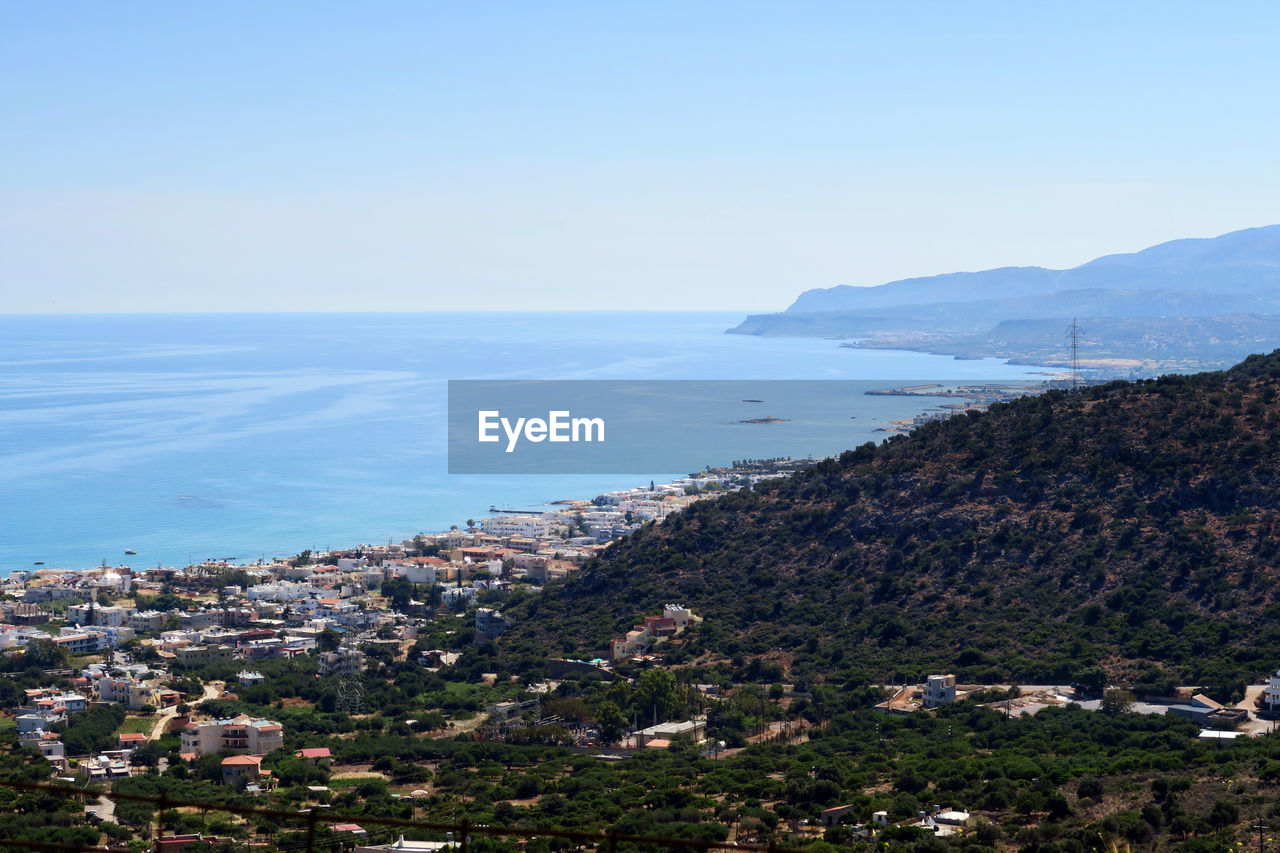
[199, 655]
[679, 614]
[939, 690]
[1271, 695]
[409, 846]
[694, 728]
[92, 614]
[146, 620]
[530, 526]
[50, 592]
[117, 635]
[73, 702]
[38, 721]
[283, 591]
[198, 619]
[243, 733]
[457, 597]
[80, 642]
[129, 692]
[412, 572]
[113, 581]
[674, 620]
[53, 751]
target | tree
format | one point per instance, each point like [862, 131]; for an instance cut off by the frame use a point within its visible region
[1223, 814]
[1092, 679]
[656, 695]
[1117, 701]
[329, 640]
[47, 654]
[166, 600]
[612, 723]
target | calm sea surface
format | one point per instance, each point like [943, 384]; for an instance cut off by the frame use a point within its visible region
[185, 437]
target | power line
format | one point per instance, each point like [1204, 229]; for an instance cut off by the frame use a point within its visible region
[1073, 333]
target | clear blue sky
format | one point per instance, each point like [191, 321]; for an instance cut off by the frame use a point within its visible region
[418, 156]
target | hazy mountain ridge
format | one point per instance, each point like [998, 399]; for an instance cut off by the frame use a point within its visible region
[1133, 525]
[1248, 260]
[1236, 273]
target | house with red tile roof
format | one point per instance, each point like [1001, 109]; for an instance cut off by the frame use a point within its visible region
[315, 755]
[241, 770]
[132, 740]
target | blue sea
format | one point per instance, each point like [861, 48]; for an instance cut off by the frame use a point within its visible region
[188, 437]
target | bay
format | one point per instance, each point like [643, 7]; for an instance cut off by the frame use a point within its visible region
[187, 437]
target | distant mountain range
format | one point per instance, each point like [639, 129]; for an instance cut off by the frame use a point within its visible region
[1133, 307]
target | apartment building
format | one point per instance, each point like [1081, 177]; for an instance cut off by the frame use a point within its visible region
[204, 654]
[146, 621]
[243, 733]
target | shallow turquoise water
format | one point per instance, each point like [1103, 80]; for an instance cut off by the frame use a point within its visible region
[185, 437]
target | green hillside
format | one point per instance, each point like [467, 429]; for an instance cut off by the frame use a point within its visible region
[1131, 525]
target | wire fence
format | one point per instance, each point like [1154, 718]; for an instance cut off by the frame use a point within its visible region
[312, 818]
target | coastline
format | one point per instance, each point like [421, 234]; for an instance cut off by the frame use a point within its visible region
[257, 436]
[558, 511]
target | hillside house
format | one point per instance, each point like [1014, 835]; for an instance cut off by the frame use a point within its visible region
[834, 816]
[490, 624]
[316, 756]
[251, 679]
[131, 693]
[939, 690]
[131, 740]
[239, 771]
[1270, 701]
[674, 620]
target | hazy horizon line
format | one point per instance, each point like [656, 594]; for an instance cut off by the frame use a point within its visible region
[250, 312]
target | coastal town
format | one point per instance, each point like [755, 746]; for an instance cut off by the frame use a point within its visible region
[148, 643]
[279, 609]
[131, 674]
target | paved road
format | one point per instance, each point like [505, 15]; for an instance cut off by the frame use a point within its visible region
[211, 691]
[106, 808]
[163, 716]
[1255, 727]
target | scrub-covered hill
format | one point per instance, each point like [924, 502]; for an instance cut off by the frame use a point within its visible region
[1134, 526]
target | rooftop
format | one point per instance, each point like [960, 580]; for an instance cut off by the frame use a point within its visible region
[242, 761]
